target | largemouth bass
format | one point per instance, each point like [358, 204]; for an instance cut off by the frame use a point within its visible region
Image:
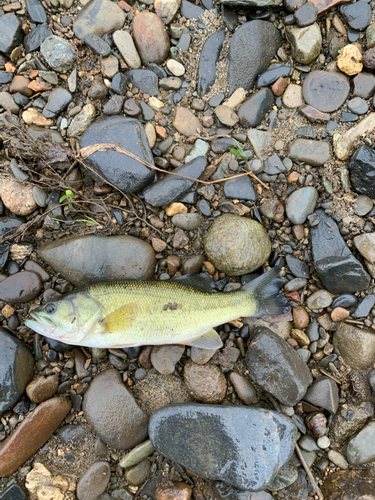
[133, 313]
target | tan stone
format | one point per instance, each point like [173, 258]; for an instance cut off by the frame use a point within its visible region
[237, 98]
[175, 208]
[39, 86]
[43, 485]
[300, 337]
[42, 388]
[338, 314]
[7, 311]
[151, 134]
[156, 103]
[20, 84]
[185, 122]
[109, 66]
[31, 434]
[349, 60]
[205, 383]
[125, 45]
[32, 117]
[292, 97]
[355, 345]
[300, 317]
[176, 68]
[342, 143]
[167, 9]
[173, 491]
[17, 196]
[365, 244]
[226, 115]
[158, 245]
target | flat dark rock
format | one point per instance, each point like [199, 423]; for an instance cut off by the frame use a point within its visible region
[36, 11]
[119, 169]
[362, 171]
[36, 37]
[6, 77]
[325, 90]
[338, 269]
[190, 10]
[252, 3]
[224, 442]
[58, 100]
[270, 76]
[170, 188]
[144, 80]
[240, 189]
[252, 47]
[207, 61]
[252, 112]
[11, 33]
[97, 44]
[277, 368]
[357, 15]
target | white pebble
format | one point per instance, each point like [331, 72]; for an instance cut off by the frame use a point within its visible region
[323, 442]
[176, 68]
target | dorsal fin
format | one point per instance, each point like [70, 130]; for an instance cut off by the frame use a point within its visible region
[200, 282]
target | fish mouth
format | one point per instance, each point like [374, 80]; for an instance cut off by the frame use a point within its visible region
[40, 324]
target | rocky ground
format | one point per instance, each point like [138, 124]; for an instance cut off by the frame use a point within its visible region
[109, 113]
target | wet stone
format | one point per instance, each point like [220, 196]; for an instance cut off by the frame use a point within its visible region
[272, 75]
[356, 346]
[350, 419]
[252, 112]
[300, 204]
[364, 307]
[220, 428]
[42, 388]
[36, 11]
[207, 61]
[349, 485]
[20, 287]
[306, 14]
[305, 42]
[323, 393]
[11, 33]
[58, 100]
[244, 388]
[205, 383]
[268, 355]
[98, 17]
[345, 300]
[151, 38]
[113, 413]
[94, 481]
[357, 16]
[362, 168]
[13, 492]
[361, 448]
[97, 44]
[325, 91]
[58, 53]
[252, 47]
[34, 39]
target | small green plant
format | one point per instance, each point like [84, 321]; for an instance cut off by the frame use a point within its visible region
[239, 152]
[69, 195]
[89, 220]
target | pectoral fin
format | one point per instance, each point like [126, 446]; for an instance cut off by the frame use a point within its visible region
[121, 319]
[209, 340]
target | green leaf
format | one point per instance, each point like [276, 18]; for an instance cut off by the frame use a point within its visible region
[69, 193]
[239, 147]
[235, 153]
[64, 197]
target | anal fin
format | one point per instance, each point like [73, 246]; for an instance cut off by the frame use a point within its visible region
[120, 319]
[209, 340]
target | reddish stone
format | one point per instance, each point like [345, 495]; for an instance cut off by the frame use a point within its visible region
[173, 491]
[32, 434]
[161, 131]
[293, 296]
[144, 357]
[151, 38]
[300, 317]
[324, 5]
[125, 6]
[278, 88]
[12, 7]
[39, 86]
[20, 84]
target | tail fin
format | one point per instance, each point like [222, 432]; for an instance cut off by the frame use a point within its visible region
[265, 290]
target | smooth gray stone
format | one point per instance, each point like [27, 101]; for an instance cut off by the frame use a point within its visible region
[252, 112]
[252, 47]
[240, 189]
[223, 442]
[361, 448]
[36, 37]
[124, 172]
[97, 44]
[11, 33]
[36, 11]
[144, 80]
[323, 393]
[170, 188]
[16, 369]
[277, 368]
[207, 61]
[59, 53]
[58, 100]
[190, 10]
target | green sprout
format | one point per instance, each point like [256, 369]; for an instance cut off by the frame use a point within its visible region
[239, 152]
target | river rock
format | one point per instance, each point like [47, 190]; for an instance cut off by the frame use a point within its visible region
[167, 9]
[314, 153]
[42, 388]
[125, 44]
[59, 54]
[252, 112]
[237, 245]
[356, 346]
[16, 195]
[207, 61]
[170, 188]
[113, 413]
[34, 39]
[205, 383]
[300, 204]
[232, 434]
[36, 11]
[341, 428]
[82, 121]
[16, 370]
[11, 33]
[276, 367]
[240, 189]
[252, 47]
[361, 448]
[338, 269]
[100, 17]
[164, 357]
[357, 16]
[31, 434]
[90, 259]
[58, 100]
[94, 481]
[362, 168]
[151, 38]
[186, 122]
[349, 485]
[325, 90]
[20, 287]
[119, 169]
[323, 393]
[305, 42]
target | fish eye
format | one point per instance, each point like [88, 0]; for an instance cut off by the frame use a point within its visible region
[50, 308]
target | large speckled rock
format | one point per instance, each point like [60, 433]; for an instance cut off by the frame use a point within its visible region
[113, 413]
[361, 448]
[151, 38]
[356, 346]
[245, 447]
[350, 485]
[276, 367]
[99, 17]
[252, 47]
[89, 259]
[305, 42]
[16, 369]
[237, 245]
[16, 195]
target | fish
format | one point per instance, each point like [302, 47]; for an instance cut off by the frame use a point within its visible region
[134, 313]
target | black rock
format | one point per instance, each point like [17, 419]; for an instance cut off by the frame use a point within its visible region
[252, 112]
[73, 434]
[36, 11]
[97, 44]
[252, 47]
[11, 33]
[223, 442]
[240, 189]
[222, 144]
[9, 224]
[170, 188]
[325, 90]
[345, 300]
[229, 16]
[119, 84]
[6, 77]
[184, 42]
[119, 169]
[59, 346]
[204, 207]
[273, 165]
[16, 369]
[364, 307]
[207, 61]
[306, 15]
[158, 70]
[271, 75]
[144, 79]
[362, 171]
[13, 492]
[36, 37]
[277, 368]
[338, 269]
[4, 253]
[190, 10]
[308, 132]
[297, 267]
[58, 100]
[357, 15]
